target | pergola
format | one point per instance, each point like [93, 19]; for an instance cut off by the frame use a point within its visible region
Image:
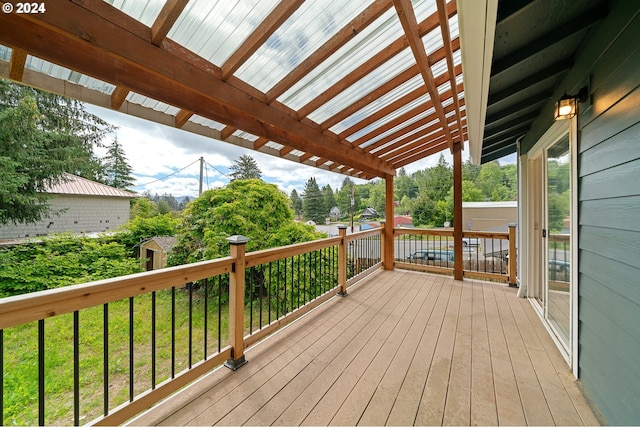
[360, 88]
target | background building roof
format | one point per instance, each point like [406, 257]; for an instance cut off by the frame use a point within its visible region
[75, 185]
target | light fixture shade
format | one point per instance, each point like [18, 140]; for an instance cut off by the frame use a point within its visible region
[565, 108]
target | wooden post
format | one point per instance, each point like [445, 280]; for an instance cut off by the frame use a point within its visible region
[513, 262]
[388, 229]
[458, 264]
[236, 302]
[342, 261]
[383, 241]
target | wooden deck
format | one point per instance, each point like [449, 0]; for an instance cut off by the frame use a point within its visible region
[403, 348]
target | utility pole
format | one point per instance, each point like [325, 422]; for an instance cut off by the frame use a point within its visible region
[201, 169]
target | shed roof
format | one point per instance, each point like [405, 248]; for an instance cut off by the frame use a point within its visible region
[360, 87]
[75, 185]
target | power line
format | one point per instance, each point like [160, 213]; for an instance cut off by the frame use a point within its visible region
[165, 177]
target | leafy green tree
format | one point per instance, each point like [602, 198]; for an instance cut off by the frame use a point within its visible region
[143, 207]
[436, 181]
[296, 203]
[345, 194]
[424, 211]
[42, 136]
[470, 172]
[117, 170]
[489, 178]
[251, 208]
[62, 260]
[405, 185]
[245, 167]
[313, 202]
[377, 197]
[140, 228]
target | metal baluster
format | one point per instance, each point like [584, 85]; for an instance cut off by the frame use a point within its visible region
[41, 373]
[105, 347]
[173, 332]
[219, 313]
[1, 376]
[76, 368]
[153, 340]
[190, 284]
[206, 318]
[131, 349]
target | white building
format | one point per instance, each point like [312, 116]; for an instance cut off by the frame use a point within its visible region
[85, 207]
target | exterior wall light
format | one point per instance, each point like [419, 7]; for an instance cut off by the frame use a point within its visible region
[567, 106]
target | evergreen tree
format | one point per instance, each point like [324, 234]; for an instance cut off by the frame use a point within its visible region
[296, 203]
[245, 167]
[117, 170]
[313, 202]
[42, 136]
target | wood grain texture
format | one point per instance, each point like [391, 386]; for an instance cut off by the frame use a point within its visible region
[403, 348]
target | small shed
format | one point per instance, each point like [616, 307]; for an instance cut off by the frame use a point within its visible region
[368, 213]
[334, 213]
[402, 221]
[153, 252]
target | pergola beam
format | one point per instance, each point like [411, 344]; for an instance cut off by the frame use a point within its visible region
[338, 40]
[168, 16]
[259, 36]
[95, 46]
[16, 64]
[410, 25]
[446, 38]
[396, 47]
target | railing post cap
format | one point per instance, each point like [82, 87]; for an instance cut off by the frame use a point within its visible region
[512, 224]
[342, 227]
[237, 240]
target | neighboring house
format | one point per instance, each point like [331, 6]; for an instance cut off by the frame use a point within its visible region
[368, 213]
[402, 221]
[484, 216]
[543, 50]
[86, 207]
[154, 251]
[334, 213]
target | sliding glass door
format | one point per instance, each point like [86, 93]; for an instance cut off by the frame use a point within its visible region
[558, 239]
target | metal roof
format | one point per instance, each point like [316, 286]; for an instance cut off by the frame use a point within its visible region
[359, 87]
[75, 185]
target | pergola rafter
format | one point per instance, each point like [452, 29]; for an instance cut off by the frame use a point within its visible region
[95, 39]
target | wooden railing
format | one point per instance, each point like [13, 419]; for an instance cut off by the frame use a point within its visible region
[183, 321]
[253, 293]
[486, 255]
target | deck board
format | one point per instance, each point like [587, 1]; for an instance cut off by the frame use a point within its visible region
[403, 348]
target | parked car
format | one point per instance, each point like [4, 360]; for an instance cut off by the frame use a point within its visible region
[470, 241]
[431, 255]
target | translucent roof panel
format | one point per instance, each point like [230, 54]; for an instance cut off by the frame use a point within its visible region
[245, 135]
[366, 85]
[315, 22]
[62, 73]
[147, 102]
[377, 105]
[206, 122]
[361, 48]
[5, 53]
[214, 29]
[145, 11]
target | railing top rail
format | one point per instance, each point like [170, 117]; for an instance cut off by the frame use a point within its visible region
[34, 306]
[487, 234]
[423, 231]
[268, 255]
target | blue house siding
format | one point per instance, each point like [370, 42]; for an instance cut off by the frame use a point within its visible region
[609, 228]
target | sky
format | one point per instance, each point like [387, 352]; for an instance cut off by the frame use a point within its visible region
[166, 160]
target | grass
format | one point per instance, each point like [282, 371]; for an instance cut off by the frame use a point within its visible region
[21, 356]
